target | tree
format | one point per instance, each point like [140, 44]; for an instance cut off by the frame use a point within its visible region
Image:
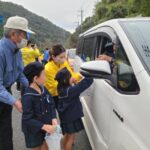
[145, 7]
[118, 11]
[142, 6]
[100, 11]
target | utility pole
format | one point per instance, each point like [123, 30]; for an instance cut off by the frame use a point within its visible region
[81, 16]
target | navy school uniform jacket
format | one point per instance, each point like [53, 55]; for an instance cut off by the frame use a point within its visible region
[69, 106]
[38, 109]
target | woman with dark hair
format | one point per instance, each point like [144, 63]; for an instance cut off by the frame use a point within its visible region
[57, 62]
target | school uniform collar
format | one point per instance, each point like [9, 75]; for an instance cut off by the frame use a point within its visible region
[64, 93]
[33, 92]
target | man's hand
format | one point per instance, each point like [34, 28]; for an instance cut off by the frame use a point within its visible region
[18, 106]
[54, 122]
[49, 128]
[104, 57]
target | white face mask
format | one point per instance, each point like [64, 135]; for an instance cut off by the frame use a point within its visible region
[59, 60]
[22, 44]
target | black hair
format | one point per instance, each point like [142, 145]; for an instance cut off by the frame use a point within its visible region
[32, 70]
[32, 45]
[46, 48]
[29, 42]
[63, 79]
[56, 50]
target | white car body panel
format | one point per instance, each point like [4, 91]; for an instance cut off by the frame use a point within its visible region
[104, 129]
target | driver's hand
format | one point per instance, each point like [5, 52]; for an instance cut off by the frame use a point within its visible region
[104, 57]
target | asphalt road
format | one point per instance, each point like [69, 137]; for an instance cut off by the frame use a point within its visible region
[82, 142]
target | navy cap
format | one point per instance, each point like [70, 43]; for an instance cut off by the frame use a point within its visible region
[109, 47]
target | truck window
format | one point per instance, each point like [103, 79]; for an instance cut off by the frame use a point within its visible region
[88, 49]
[101, 42]
[126, 80]
[79, 46]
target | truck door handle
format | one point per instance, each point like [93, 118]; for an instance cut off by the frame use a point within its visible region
[119, 116]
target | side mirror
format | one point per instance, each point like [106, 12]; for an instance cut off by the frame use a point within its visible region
[96, 69]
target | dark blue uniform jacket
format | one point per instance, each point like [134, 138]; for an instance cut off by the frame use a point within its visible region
[38, 109]
[70, 107]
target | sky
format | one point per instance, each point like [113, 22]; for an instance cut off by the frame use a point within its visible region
[63, 13]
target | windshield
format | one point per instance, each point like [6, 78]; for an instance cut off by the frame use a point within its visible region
[138, 33]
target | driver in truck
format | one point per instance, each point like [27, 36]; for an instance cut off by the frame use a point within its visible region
[109, 53]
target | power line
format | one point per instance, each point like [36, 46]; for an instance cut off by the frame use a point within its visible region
[84, 7]
[81, 6]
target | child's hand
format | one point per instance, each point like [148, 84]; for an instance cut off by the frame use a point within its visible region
[73, 80]
[54, 122]
[81, 76]
[49, 128]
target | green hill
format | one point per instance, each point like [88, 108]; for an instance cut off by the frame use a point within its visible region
[46, 32]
